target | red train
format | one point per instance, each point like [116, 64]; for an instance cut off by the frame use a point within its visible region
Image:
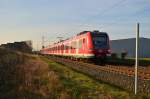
[85, 45]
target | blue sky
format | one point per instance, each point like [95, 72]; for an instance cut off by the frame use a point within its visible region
[30, 19]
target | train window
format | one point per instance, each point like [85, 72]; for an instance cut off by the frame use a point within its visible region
[58, 47]
[100, 41]
[64, 47]
[69, 47]
[61, 47]
[73, 45]
[80, 43]
[83, 40]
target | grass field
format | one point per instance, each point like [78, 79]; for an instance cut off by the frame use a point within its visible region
[24, 76]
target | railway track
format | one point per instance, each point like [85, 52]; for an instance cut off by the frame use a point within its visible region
[122, 76]
[143, 72]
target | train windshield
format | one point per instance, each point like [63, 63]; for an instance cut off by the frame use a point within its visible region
[100, 41]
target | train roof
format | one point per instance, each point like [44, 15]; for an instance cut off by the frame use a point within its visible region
[97, 32]
[93, 32]
[84, 32]
[81, 33]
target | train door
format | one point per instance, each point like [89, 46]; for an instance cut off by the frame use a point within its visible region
[62, 49]
[83, 47]
[80, 48]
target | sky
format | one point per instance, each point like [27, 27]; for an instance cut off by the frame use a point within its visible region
[31, 19]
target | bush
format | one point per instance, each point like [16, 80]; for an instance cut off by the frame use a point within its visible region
[114, 55]
[123, 55]
[10, 73]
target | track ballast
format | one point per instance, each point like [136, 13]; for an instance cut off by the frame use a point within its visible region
[121, 76]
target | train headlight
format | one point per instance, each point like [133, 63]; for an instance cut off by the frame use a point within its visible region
[90, 50]
[109, 51]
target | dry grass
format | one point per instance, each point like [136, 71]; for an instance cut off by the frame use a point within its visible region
[24, 76]
[39, 80]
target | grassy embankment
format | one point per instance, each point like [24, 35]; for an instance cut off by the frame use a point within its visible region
[24, 76]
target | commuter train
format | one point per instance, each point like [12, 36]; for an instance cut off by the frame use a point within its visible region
[85, 45]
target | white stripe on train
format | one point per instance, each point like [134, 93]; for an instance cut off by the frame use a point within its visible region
[74, 55]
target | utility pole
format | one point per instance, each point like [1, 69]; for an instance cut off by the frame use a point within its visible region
[137, 57]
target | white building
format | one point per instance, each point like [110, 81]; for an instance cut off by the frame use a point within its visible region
[128, 45]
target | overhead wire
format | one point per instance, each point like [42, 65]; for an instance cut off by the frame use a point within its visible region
[100, 14]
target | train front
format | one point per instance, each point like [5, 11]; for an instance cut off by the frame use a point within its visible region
[100, 42]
